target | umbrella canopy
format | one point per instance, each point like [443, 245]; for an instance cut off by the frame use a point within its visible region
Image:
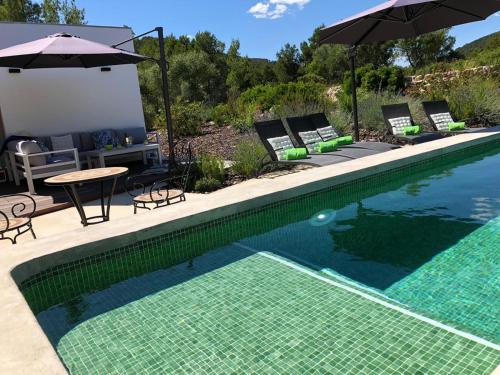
[402, 19]
[65, 51]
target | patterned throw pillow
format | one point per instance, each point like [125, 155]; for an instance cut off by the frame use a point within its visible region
[398, 124]
[103, 138]
[311, 139]
[328, 133]
[280, 144]
[442, 120]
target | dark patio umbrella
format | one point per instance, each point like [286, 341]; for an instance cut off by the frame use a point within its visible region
[402, 19]
[65, 51]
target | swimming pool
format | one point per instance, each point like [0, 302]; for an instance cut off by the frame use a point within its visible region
[424, 236]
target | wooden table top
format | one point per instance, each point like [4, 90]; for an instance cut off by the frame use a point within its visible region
[88, 175]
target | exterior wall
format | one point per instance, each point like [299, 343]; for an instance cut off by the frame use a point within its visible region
[57, 101]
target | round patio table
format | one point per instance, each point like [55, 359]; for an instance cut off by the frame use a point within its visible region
[69, 182]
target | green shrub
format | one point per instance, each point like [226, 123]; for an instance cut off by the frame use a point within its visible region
[472, 99]
[222, 114]
[188, 118]
[211, 167]
[268, 96]
[385, 78]
[340, 119]
[207, 184]
[248, 157]
[370, 108]
[245, 117]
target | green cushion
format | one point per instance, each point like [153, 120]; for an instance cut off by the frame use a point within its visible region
[455, 126]
[347, 140]
[329, 146]
[295, 154]
[411, 130]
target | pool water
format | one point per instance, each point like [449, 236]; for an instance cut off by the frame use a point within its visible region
[432, 243]
[268, 291]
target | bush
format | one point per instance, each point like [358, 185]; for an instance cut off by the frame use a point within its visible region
[207, 185]
[222, 114]
[389, 79]
[268, 96]
[248, 157]
[188, 118]
[473, 99]
[370, 111]
[211, 167]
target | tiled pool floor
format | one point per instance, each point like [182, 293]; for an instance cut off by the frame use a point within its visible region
[237, 312]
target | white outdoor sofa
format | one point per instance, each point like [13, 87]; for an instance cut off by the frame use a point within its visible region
[22, 165]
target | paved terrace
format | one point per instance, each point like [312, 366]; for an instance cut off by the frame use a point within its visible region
[24, 346]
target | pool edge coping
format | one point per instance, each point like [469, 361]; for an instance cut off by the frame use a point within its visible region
[27, 349]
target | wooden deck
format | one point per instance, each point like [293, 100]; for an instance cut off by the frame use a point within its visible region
[49, 199]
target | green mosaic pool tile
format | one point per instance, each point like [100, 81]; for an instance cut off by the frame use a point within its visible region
[243, 313]
[446, 287]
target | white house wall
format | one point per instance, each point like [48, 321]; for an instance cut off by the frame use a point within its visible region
[58, 101]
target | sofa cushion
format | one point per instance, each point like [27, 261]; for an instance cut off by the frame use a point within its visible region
[32, 147]
[102, 138]
[77, 142]
[87, 142]
[64, 142]
[138, 135]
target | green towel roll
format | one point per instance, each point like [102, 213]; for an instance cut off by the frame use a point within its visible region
[411, 130]
[346, 140]
[295, 154]
[329, 146]
[456, 126]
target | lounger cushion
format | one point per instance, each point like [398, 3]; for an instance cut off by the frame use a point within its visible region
[442, 120]
[398, 124]
[311, 139]
[32, 147]
[327, 133]
[280, 144]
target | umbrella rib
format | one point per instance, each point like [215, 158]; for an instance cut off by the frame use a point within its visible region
[25, 66]
[324, 40]
[461, 11]
[373, 27]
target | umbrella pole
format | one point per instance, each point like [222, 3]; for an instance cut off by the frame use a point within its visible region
[352, 63]
[166, 97]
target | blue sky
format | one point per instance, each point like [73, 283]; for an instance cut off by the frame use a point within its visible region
[262, 26]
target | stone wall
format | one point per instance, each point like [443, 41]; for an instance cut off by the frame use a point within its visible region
[421, 81]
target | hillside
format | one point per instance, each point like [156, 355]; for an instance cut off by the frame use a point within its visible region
[479, 44]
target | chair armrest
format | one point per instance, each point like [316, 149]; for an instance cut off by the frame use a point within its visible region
[73, 150]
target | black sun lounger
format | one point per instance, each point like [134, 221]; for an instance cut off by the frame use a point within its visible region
[397, 117]
[269, 130]
[275, 138]
[439, 115]
[308, 130]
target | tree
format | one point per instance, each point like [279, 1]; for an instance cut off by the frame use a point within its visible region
[308, 48]
[19, 11]
[195, 77]
[329, 62]
[428, 48]
[288, 63]
[376, 54]
[48, 11]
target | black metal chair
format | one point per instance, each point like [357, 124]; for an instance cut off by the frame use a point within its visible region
[164, 191]
[394, 112]
[18, 220]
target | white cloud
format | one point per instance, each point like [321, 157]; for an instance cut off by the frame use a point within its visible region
[273, 9]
